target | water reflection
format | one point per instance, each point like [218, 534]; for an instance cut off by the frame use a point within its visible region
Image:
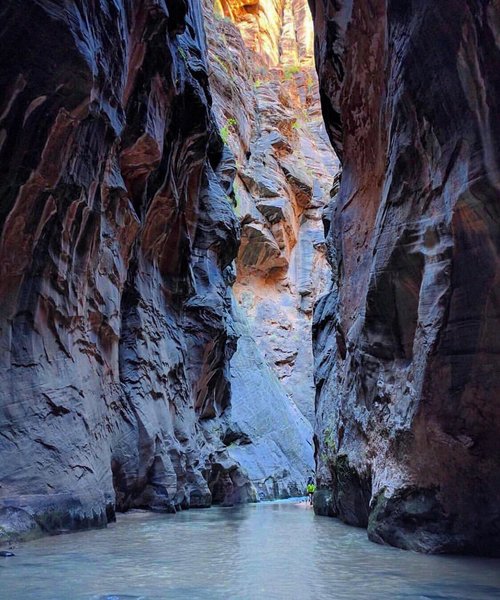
[271, 551]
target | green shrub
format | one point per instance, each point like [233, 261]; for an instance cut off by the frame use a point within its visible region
[227, 128]
[223, 65]
[290, 71]
[330, 440]
[183, 55]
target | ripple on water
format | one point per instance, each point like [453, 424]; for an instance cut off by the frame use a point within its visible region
[259, 552]
[118, 597]
[472, 591]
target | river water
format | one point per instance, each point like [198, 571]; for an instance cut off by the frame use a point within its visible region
[272, 551]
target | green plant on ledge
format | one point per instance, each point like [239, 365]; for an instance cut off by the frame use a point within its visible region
[224, 66]
[329, 454]
[228, 126]
[183, 55]
[290, 71]
[330, 440]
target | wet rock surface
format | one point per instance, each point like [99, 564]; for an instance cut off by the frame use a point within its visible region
[406, 341]
[281, 451]
[117, 239]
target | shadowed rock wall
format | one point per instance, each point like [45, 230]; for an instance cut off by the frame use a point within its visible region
[116, 244]
[407, 344]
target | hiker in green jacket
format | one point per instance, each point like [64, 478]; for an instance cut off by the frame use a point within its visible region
[311, 488]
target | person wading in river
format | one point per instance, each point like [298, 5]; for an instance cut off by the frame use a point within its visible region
[311, 488]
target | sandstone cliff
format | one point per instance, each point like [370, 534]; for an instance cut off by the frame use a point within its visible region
[117, 239]
[266, 99]
[407, 343]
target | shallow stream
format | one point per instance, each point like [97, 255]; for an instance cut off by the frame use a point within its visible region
[272, 551]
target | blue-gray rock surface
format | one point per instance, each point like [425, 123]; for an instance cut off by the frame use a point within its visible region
[117, 239]
[407, 344]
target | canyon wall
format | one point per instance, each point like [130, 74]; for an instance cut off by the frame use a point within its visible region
[117, 242]
[407, 340]
[276, 31]
[267, 105]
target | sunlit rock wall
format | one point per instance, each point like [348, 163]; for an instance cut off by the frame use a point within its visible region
[283, 164]
[278, 31]
[407, 344]
[116, 248]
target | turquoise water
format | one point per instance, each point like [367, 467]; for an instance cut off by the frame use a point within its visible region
[274, 551]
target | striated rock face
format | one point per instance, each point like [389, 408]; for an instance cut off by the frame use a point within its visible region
[407, 345]
[282, 163]
[277, 31]
[116, 247]
[275, 450]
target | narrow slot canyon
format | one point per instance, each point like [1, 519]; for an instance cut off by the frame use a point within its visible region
[247, 247]
[280, 161]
